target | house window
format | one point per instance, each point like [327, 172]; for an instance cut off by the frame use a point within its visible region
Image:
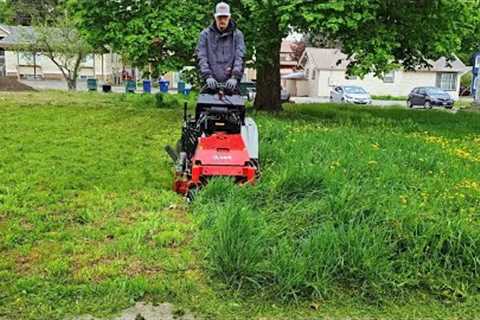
[314, 74]
[307, 74]
[389, 77]
[447, 81]
[25, 58]
[88, 60]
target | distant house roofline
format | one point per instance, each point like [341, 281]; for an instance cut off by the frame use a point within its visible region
[3, 29]
[14, 35]
[335, 59]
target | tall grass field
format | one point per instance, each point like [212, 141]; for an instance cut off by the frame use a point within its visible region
[377, 203]
[360, 212]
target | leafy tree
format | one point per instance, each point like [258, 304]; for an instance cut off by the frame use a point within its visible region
[160, 33]
[61, 43]
[377, 35]
[471, 42]
[4, 12]
[28, 12]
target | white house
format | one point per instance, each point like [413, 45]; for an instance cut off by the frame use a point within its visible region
[326, 68]
[107, 67]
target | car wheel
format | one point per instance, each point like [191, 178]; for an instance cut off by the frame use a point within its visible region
[428, 105]
[409, 104]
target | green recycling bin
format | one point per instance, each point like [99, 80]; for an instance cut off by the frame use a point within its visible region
[245, 86]
[181, 86]
[130, 86]
[92, 84]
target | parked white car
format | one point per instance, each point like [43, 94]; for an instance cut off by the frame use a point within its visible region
[350, 94]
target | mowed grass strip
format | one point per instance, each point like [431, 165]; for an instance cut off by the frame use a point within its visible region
[374, 203]
[86, 216]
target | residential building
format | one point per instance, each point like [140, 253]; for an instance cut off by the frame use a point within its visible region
[27, 65]
[324, 69]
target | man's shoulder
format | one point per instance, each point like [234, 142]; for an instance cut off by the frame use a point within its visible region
[207, 30]
[239, 32]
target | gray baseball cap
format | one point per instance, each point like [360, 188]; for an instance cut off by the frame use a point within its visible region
[222, 10]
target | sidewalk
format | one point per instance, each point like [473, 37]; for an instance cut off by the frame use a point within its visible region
[81, 86]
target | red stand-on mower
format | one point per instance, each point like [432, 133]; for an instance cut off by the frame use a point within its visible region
[219, 141]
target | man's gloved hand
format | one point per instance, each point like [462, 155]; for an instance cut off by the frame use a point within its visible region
[231, 84]
[212, 83]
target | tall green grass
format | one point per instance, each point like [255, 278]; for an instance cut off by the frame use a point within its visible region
[375, 203]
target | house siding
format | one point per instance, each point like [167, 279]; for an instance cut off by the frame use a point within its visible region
[16, 66]
[404, 82]
[330, 69]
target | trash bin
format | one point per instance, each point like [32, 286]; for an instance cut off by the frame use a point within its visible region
[107, 88]
[92, 84]
[246, 86]
[130, 86]
[187, 90]
[164, 85]
[181, 87]
[147, 86]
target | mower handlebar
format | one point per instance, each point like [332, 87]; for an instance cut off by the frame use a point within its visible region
[220, 89]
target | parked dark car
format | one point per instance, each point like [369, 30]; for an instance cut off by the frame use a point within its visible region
[429, 97]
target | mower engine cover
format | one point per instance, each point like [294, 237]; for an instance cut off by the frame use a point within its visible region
[221, 113]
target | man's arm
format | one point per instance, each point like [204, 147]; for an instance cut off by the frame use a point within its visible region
[202, 54]
[239, 63]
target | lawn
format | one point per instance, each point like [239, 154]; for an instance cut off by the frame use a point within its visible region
[360, 212]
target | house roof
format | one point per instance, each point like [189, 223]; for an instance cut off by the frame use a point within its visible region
[335, 59]
[14, 34]
[286, 47]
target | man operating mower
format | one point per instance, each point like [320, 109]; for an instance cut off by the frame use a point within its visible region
[221, 52]
[219, 141]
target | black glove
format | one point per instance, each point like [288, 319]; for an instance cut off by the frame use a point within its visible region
[212, 83]
[231, 84]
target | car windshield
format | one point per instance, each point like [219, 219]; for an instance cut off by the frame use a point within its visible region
[435, 91]
[355, 90]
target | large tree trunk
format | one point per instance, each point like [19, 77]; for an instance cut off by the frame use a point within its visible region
[72, 84]
[268, 75]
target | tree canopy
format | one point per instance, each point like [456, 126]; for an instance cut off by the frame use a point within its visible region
[162, 33]
[377, 35]
[28, 12]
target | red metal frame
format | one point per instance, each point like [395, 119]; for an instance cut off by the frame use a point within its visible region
[220, 154]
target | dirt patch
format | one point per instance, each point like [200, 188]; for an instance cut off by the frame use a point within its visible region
[7, 84]
[142, 311]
